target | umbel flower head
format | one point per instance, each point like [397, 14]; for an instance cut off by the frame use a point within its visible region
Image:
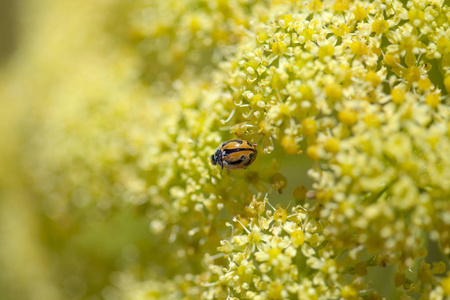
[357, 89]
[363, 88]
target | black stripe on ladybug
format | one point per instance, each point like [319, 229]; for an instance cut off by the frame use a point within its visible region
[234, 154]
[229, 151]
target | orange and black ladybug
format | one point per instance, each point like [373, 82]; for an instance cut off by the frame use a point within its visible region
[234, 154]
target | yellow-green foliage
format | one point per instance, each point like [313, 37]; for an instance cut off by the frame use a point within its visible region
[118, 107]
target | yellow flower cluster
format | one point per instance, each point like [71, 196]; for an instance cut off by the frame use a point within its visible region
[123, 131]
[278, 256]
[174, 38]
[363, 88]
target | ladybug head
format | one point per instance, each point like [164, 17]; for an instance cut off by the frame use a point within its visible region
[216, 158]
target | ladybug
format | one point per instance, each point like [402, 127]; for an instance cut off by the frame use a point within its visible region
[234, 154]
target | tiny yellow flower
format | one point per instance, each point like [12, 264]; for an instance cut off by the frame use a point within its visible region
[398, 96]
[297, 237]
[280, 215]
[289, 144]
[348, 116]
[274, 253]
[278, 48]
[371, 120]
[341, 5]
[315, 5]
[443, 45]
[287, 19]
[309, 126]
[245, 273]
[332, 145]
[307, 34]
[340, 29]
[412, 74]
[307, 92]
[262, 36]
[348, 292]
[254, 237]
[324, 195]
[358, 48]
[325, 51]
[433, 100]
[380, 26]
[424, 84]
[313, 152]
[279, 81]
[392, 59]
[416, 16]
[360, 13]
[333, 91]
[275, 290]
[256, 100]
[373, 78]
